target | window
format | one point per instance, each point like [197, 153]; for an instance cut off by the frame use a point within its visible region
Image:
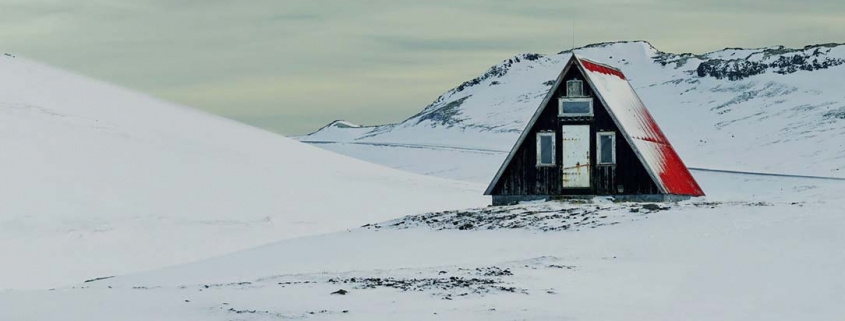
[575, 107]
[574, 88]
[606, 145]
[546, 149]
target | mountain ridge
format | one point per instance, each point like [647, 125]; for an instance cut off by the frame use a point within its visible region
[704, 69]
[773, 97]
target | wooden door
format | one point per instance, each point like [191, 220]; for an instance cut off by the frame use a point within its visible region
[576, 156]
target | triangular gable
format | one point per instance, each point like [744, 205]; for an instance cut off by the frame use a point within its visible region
[528, 127]
[634, 121]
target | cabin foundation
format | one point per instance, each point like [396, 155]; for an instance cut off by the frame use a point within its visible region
[502, 200]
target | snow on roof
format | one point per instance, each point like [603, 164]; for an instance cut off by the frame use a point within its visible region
[640, 129]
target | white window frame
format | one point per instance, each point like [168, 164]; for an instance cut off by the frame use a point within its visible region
[539, 149]
[612, 147]
[569, 99]
[569, 94]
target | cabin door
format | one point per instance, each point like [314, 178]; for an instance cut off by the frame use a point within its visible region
[576, 156]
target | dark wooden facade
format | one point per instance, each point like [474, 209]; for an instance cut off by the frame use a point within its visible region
[524, 177]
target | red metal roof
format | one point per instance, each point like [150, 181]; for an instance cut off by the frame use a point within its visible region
[637, 124]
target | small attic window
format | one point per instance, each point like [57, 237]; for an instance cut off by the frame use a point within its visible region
[574, 88]
[575, 107]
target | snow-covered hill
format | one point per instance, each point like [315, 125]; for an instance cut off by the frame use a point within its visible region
[758, 247]
[97, 181]
[770, 110]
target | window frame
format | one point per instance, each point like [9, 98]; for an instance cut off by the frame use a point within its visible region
[561, 100]
[568, 94]
[612, 148]
[539, 142]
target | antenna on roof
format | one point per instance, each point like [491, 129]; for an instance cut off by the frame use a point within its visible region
[573, 36]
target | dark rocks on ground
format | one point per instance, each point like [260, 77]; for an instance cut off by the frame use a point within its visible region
[491, 218]
[654, 207]
[438, 285]
[493, 271]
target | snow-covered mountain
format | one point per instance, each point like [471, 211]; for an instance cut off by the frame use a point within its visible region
[96, 181]
[770, 109]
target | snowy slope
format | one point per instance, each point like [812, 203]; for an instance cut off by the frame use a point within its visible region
[758, 247]
[770, 109]
[100, 181]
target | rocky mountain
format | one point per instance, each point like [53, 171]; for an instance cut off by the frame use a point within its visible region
[773, 109]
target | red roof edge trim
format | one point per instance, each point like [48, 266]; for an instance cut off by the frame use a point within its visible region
[594, 67]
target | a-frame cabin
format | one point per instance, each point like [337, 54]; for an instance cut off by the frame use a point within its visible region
[592, 136]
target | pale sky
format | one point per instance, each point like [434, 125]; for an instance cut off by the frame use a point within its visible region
[291, 66]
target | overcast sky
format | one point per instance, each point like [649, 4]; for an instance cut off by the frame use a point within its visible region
[293, 65]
